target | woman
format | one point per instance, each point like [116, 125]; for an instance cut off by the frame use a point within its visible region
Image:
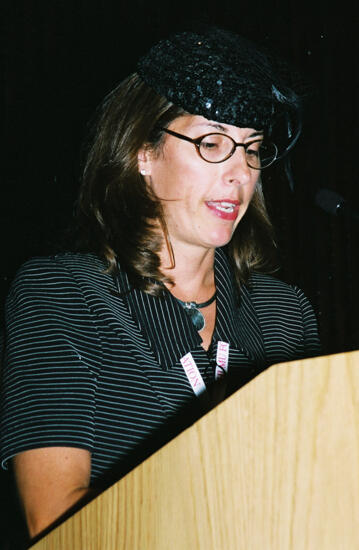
[106, 346]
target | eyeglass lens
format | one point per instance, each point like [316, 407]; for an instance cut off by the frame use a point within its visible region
[218, 147]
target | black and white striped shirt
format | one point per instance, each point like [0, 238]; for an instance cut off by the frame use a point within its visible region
[88, 368]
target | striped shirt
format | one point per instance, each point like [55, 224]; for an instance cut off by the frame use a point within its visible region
[88, 367]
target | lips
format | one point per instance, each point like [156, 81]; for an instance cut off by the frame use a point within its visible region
[226, 209]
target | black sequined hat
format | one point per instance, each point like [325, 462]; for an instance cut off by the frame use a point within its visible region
[221, 76]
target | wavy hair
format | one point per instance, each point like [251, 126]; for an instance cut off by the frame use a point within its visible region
[117, 215]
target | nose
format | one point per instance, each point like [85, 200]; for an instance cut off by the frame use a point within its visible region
[237, 170]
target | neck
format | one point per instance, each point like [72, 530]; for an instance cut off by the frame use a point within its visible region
[192, 274]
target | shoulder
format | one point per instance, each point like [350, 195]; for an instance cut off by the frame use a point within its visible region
[60, 264]
[261, 282]
[61, 282]
[61, 269]
[286, 317]
[272, 297]
[262, 286]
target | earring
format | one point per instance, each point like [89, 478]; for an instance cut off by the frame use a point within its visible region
[143, 172]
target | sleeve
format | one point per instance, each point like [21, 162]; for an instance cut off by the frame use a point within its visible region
[52, 356]
[311, 342]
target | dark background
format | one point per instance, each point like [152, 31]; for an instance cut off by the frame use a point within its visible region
[59, 58]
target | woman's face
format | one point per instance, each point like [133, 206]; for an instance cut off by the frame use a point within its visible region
[202, 202]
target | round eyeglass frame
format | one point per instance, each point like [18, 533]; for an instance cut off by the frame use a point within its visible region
[197, 143]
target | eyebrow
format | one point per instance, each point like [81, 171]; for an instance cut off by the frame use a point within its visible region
[221, 128]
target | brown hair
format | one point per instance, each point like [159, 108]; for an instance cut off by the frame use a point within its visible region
[117, 215]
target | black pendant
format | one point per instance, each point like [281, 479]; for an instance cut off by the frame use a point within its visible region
[192, 309]
[196, 316]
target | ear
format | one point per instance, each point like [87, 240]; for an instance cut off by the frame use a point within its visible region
[144, 161]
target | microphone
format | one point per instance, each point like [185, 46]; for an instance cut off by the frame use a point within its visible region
[333, 203]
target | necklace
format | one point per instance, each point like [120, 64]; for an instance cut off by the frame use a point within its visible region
[192, 309]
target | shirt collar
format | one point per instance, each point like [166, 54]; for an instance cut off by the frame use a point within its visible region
[236, 321]
[169, 331]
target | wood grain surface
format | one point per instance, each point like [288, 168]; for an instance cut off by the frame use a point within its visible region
[274, 467]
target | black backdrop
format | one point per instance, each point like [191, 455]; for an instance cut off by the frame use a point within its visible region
[60, 58]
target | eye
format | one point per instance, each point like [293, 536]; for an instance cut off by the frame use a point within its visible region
[211, 142]
[254, 148]
[216, 147]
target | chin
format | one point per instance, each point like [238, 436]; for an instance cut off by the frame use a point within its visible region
[218, 239]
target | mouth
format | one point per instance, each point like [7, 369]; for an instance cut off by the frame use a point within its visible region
[223, 206]
[225, 209]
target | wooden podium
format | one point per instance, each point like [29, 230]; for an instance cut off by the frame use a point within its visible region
[274, 467]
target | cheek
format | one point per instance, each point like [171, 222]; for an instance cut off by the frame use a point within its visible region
[182, 185]
[247, 200]
[251, 190]
[165, 181]
[160, 183]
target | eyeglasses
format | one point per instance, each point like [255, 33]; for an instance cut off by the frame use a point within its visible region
[216, 148]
